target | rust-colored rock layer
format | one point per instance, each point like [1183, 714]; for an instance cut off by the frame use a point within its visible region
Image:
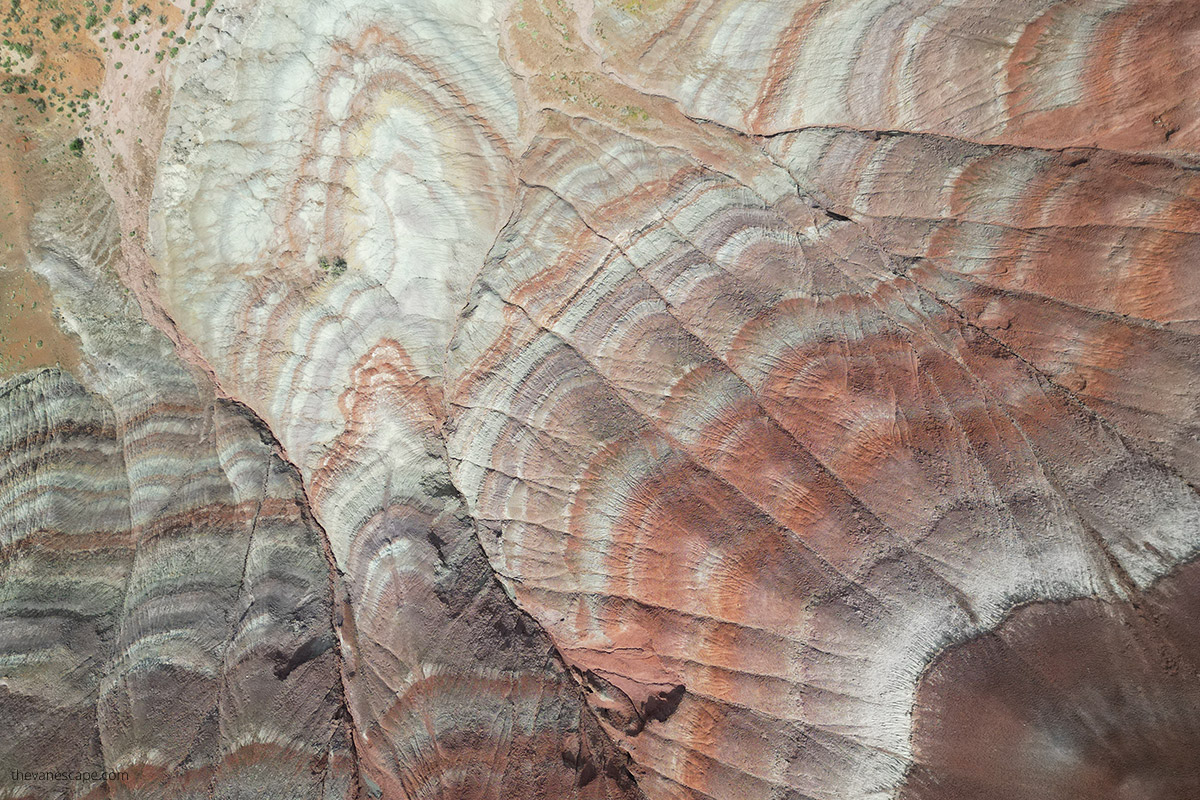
[673, 399]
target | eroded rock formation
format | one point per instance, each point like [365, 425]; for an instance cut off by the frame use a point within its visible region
[622, 400]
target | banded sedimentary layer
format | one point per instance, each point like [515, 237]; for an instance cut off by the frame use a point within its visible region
[614, 400]
[167, 610]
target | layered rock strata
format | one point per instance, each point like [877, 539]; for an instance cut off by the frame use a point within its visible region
[167, 610]
[613, 400]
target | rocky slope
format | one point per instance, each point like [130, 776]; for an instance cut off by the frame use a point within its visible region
[672, 399]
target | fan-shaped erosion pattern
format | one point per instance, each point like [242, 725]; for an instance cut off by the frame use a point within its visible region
[675, 399]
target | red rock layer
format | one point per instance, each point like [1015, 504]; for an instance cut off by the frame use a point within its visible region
[454, 692]
[732, 443]
[764, 349]
[381, 175]
[1114, 75]
[1077, 261]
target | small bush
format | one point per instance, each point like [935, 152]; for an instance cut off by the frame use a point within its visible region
[335, 267]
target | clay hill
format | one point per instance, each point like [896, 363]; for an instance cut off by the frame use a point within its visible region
[600, 400]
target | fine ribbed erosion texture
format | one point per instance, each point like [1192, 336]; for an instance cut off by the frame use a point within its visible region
[601, 400]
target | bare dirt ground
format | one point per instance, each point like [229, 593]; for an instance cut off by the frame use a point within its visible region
[83, 97]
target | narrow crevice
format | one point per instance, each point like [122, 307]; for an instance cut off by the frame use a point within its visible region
[616, 763]
[238, 614]
[309, 517]
[617, 760]
[879, 132]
